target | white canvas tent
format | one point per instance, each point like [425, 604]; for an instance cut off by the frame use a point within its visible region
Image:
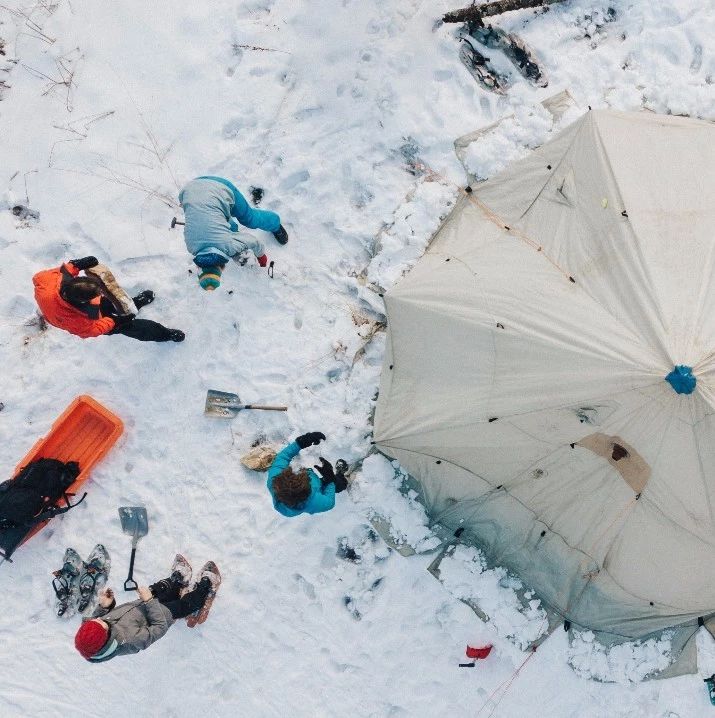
[525, 380]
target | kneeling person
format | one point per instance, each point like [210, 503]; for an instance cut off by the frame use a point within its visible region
[81, 305]
[213, 209]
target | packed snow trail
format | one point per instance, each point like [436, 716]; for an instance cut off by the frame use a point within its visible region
[322, 119]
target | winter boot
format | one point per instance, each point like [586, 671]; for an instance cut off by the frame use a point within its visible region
[204, 586]
[341, 480]
[208, 580]
[162, 587]
[181, 572]
[281, 235]
[143, 298]
[197, 598]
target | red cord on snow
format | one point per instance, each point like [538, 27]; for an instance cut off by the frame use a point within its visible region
[503, 689]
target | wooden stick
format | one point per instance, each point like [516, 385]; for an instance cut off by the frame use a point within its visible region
[475, 13]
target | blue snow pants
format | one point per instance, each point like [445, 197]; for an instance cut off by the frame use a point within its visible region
[245, 214]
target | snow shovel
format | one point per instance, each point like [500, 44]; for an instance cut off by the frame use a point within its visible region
[226, 405]
[135, 523]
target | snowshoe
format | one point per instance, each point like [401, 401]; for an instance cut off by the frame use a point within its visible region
[66, 583]
[210, 571]
[477, 64]
[515, 49]
[95, 573]
[181, 571]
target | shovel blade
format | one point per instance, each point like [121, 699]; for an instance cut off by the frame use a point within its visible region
[222, 404]
[135, 521]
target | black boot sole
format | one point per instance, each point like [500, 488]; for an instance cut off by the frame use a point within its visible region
[281, 236]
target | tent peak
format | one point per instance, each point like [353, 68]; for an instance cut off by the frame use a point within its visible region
[682, 379]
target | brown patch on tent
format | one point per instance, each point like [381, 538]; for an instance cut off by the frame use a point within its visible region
[632, 467]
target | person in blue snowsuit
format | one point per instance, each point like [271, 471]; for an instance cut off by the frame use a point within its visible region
[213, 209]
[304, 492]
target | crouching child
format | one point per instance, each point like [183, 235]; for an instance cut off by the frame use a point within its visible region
[213, 209]
[305, 491]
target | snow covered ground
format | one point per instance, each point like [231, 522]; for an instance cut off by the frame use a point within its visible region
[110, 108]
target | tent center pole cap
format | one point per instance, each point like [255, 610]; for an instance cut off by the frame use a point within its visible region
[682, 379]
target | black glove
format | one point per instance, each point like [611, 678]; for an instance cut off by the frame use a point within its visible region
[327, 475]
[312, 438]
[85, 262]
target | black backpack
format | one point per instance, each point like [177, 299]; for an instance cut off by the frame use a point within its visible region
[30, 497]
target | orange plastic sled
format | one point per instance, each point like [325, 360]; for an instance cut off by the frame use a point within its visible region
[84, 433]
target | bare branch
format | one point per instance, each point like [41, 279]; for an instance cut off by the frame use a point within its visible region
[236, 46]
[125, 181]
[66, 73]
[475, 13]
[51, 157]
[34, 29]
[24, 177]
[85, 121]
[38, 74]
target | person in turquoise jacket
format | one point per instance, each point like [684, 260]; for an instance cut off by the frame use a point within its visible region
[213, 209]
[304, 492]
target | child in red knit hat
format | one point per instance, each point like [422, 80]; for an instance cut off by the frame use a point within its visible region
[122, 630]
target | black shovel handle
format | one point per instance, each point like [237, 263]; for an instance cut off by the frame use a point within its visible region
[130, 584]
[265, 408]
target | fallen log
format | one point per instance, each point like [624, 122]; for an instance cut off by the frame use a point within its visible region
[475, 13]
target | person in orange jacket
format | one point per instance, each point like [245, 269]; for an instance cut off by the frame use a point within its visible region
[79, 305]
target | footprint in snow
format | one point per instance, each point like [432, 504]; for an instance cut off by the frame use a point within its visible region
[307, 587]
[361, 570]
[294, 180]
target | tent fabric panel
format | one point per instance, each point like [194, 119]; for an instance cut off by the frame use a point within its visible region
[498, 365]
[440, 485]
[655, 159]
[661, 561]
